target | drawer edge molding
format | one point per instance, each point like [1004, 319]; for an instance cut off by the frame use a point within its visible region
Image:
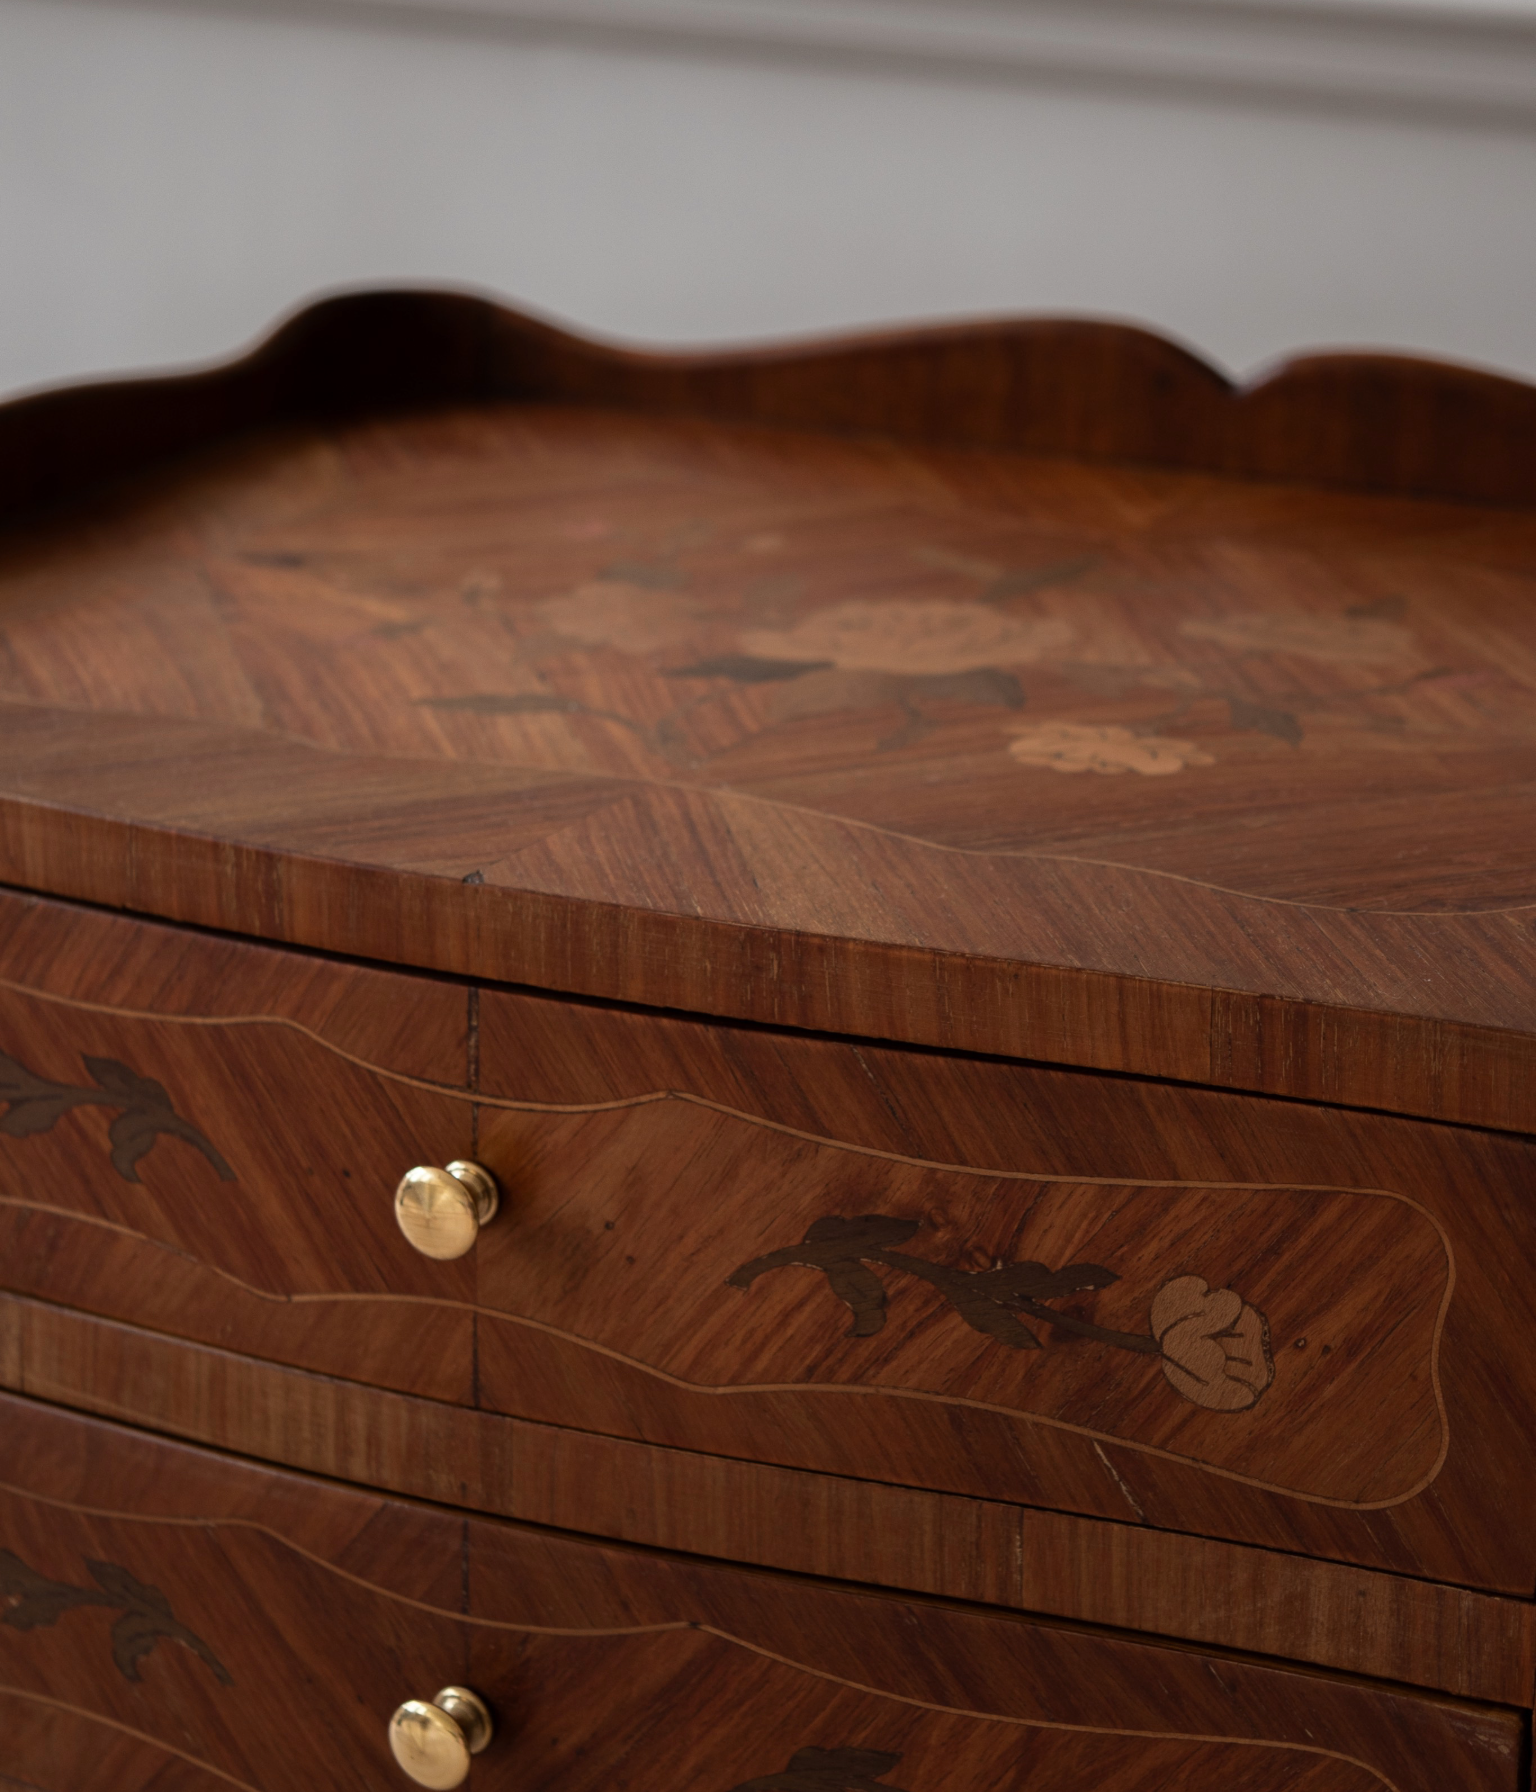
[475, 1621]
[1364, 1621]
[1450, 1067]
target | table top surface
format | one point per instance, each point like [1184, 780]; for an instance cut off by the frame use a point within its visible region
[1163, 726]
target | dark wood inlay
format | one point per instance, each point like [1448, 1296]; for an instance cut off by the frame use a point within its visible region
[805, 688]
[1125, 1574]
[602, 1662]
[1396, 1395]
[1214, 1347]
[30, 1601]
[829, 1770]
[33, 1104]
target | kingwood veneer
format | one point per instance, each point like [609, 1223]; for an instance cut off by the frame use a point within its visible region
[610, 1665]
[759, 809]
[1392, 1627]
[652, 1161]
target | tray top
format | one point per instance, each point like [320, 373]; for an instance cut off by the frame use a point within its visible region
[1123, 766]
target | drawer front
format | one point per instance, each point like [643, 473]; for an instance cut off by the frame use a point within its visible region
[1291, 1326]
[258, 1629]
[53, 1748]
[204, 1136]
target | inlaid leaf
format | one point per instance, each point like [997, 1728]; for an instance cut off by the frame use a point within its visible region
[983, 684]
[980, 1297]
[30, 1601]
[146, 1620]
[829, 1770]
[26, 1116]
[508, 703]
[865, 1234]
[835, 1245]
[748, 668]
[130, 1135]
[134, 1636]
[1260, 719]
[124, 1588]
[863, 1293]
[145, 1110]
[118, 1079]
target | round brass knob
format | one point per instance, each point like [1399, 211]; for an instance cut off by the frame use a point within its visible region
[433, 1740]
[441, 1211]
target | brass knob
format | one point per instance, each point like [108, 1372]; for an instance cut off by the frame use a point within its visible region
[433, 1741]
[441, 1211]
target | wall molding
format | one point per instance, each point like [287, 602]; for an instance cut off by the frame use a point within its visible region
[1475, 57]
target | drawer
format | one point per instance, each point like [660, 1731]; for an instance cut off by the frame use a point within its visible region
[1281, 1324]
[256, 1629]
[197, 1133]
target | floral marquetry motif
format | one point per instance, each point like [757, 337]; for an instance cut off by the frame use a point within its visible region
[30, 1601]
[1214, 1346]
[682, 608]
[832, 697]
[1070, 747]
[652, 1668]
[829, 1770]
[1181, 1320]
[32, 1104]
[966, 902]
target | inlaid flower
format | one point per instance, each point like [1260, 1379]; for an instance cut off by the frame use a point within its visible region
[613, 613]
[1215, 1346]
[1102, 747]
[911, 637]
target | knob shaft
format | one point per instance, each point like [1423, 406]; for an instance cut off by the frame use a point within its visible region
[441, 1211]
[433, 1739]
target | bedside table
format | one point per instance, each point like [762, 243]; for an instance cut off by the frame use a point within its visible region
[803, 1070]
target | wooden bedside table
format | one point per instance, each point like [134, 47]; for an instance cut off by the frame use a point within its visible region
[813, 1066]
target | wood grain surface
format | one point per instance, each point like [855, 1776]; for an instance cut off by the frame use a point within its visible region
[56, 1748]
[265, 1593]
[1390, 1627]
[1148, 770]
[1060, 386]
[1204, 1313]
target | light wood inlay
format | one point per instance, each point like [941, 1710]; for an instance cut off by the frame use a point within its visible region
[592, 1654]
[865, 748]
[1124, 1575]
[1383, 1297]
[1145, 769]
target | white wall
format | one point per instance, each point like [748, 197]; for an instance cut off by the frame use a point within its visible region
[173, 179]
